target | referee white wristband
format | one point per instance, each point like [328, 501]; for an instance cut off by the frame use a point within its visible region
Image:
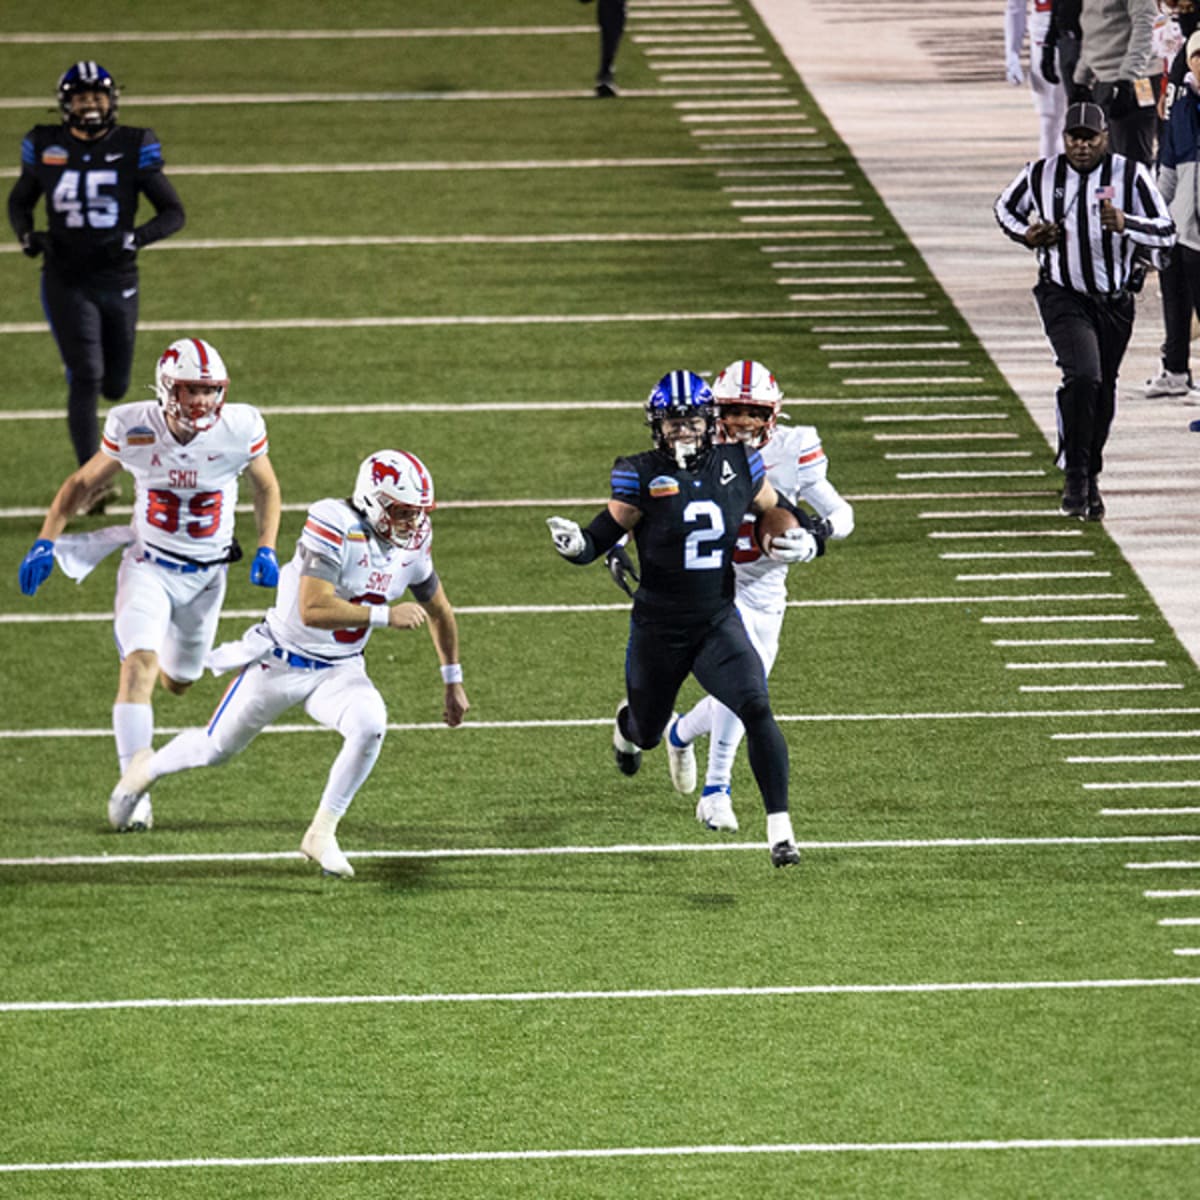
[452, 673]
[378, 616]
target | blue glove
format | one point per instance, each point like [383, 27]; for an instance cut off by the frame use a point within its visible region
[36, 566]
[264, 570]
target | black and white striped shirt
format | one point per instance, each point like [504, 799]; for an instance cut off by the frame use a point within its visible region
[1087, 258]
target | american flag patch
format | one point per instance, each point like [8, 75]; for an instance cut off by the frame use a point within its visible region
[1106, 193]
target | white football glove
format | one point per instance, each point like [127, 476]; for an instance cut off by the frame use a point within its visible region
[568, 537]
[793, 546]
[1013, 70]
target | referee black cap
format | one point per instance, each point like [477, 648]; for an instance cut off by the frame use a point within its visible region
[1085, 115]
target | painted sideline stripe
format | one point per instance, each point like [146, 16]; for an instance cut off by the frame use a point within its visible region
[586, 722]
[130, 1164]
[697, 993]
[252, 856]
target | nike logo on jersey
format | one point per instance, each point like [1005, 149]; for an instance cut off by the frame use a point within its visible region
[113, 157]
[128, 292]
[727, 472]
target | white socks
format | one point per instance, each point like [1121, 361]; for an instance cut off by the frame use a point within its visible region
[133, 728]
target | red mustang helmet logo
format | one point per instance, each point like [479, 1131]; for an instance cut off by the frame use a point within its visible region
[381, 471]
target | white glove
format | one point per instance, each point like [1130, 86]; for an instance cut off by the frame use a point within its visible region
[568, 537]
[1013, 70]
[793, 546]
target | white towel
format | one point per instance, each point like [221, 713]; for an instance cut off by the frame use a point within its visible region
[78, 554]
[253, 646]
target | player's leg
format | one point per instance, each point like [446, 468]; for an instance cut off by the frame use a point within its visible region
[715, 809]
[75, 322]
[257, 696]
[345, 700]
[195, 614]
[657, 660]
[142, 615]
[729, 668]
[610, 14]
[1050, 101]
[118, 329]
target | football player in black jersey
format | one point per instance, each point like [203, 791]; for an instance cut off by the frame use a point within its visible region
[684, 502]
[91, 172]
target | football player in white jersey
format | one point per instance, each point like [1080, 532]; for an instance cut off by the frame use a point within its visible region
[354, 560]
[748, 404]
[185, 450]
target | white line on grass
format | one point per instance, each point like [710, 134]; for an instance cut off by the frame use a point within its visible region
[1016, 554]
[1109, 664]
[1009, 575]
[1141, 785]
[1179, 921]
[1149, 812]
[955, 455]
[694, 993]
[605, 1152]
[1126, 733]
[1073, 641]
[289, 35]
[1005, 533]
[1067, 617]
[1172, 894]
[1170, 865]
[509, 610]
[1101, 687]
[414, 322]
[945, 416]
[1131, 758]
[1190, 953]
[109, 860]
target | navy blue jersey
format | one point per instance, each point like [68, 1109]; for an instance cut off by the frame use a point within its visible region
[91, 190]
[689, 527]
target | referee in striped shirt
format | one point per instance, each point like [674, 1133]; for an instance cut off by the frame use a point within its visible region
[1094, 220]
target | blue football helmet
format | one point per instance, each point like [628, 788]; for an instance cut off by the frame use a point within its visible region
[681, 395]
[87, 76]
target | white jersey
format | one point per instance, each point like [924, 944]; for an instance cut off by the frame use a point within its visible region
[184, 494]
[368, 572]
[796, 467]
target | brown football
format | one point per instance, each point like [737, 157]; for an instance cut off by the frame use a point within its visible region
[773, 521]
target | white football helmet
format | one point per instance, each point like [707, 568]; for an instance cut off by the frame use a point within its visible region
[191, 360]
[390, 478]
[749, 384]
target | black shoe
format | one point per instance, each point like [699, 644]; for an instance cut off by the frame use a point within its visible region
[606, 89]
[628, 756]
[784, 854]
[1074, 501]
[1095, 502]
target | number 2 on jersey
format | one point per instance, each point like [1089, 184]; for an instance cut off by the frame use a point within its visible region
[695, 556]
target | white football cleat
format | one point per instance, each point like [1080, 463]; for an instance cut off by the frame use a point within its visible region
[323, 849]
[681, 761]
[129, 808]
[714, 810]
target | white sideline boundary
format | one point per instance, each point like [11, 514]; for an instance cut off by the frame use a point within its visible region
[695, 993]
[256, 856]
[130, 1164]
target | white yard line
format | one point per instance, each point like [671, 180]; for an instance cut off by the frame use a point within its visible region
[1141, 785]
[151, 859]
[1125, 733]
[536, 724]
[1132, 758]
[620, 994]
[1022, 1145]
[1149, 812]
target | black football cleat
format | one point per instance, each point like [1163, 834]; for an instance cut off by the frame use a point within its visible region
[628, 755]
[1095, 502]
[784, 854]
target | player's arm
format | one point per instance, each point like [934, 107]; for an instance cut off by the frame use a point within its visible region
[38, 562]
[801, 544]
[168, 211]
[443, 629]
[95, 473]
[607, 527]
[321, 607]
[264, 569]
[22, 199]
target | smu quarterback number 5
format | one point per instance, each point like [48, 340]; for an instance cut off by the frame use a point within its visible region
[697, 555]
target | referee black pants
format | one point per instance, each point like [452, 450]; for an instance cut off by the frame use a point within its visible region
[1089, 335]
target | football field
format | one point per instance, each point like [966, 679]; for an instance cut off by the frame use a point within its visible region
[411, 225]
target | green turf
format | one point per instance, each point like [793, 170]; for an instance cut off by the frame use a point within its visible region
[946, 839]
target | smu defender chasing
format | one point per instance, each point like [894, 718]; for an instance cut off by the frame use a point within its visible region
[185, 452]
[354, 559]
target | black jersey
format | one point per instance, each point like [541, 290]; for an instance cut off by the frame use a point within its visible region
[689, 526]
[91, 190]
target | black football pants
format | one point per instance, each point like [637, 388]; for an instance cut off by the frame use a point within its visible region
[660, 656]
[94, 328]
[1089, 335]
